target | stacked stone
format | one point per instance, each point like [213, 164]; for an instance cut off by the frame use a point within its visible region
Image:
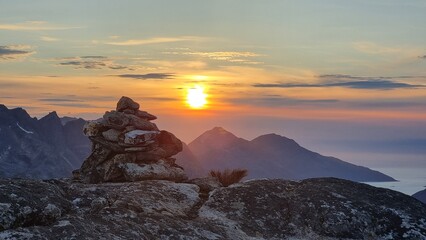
[127, 146]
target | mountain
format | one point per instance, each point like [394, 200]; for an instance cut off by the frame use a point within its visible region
[325, 208]
[32, 148]
[189, 162]
[421, 196]
[273, 156]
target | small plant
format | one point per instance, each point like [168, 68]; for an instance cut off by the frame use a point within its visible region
[228, 177]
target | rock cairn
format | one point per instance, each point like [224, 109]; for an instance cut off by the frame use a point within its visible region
[127, 146]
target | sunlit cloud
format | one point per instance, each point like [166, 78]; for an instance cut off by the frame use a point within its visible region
[148, 76]
[15, 52]
[34, 26]
[278, 101]
[135, 42]
[91, 62]
[372, 84]
[346, 81]
[49, 39]
[229, 56]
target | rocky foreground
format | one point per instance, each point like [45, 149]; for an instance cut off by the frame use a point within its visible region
[323, 208]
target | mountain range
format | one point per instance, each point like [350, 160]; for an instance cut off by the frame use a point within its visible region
[52, 147]
[40, 148]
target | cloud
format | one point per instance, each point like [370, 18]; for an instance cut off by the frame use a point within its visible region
[346, 81]
[160, 99]
[49, 39]
[277, 101]
[135, 42]
[229, 56]
[15, 52]
[148, 76]
[33, 26]
[92, 62]
[59, 100]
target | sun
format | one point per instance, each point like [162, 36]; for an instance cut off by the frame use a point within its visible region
[196, 98]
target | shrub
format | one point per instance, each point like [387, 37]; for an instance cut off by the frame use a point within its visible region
[228, 177]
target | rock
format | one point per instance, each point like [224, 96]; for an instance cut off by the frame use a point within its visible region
[324, 208]
[140, 123]
[111, 135]
[160, 170]
[30, 202]
[170, 143]
[126, 103]
[206, 184]
[136, 137]
[128, 147]
[116, 120]
[92, 128]
[145, 115]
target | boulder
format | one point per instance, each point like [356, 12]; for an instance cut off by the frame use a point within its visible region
[126, 103]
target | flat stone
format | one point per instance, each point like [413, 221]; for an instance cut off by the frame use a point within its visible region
[139, 137]
[145, 115]
[140, 123]
[160, 170]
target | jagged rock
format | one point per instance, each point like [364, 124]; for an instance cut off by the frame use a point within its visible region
[127, 103]
[312, 209]
[129, 147]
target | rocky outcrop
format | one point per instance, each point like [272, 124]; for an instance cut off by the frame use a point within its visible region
[127, 146]
[324, 208]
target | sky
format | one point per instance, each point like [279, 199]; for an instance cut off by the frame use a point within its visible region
[345, 78]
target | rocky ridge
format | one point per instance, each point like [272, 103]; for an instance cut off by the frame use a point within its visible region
[324, 208]
[127, 146]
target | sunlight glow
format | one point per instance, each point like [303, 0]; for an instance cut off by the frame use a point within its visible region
[196, 98]
[199, 77]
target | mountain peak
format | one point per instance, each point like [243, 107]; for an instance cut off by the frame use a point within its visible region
[217, 137]
[219, 130]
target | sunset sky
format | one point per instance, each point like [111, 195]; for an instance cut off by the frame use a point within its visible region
[346, 78]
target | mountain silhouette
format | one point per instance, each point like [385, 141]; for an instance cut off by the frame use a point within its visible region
[273, 156]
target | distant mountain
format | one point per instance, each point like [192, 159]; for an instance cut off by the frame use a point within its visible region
[421, 195]
[44, 148]
[52, 147]
[189, 162]
[273, 156]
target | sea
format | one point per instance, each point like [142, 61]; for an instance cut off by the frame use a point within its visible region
[410, 180]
